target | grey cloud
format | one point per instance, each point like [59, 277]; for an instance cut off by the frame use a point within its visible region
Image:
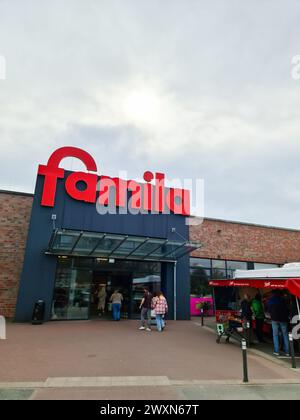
[230, 107]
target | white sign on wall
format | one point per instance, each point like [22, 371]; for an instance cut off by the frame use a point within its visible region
[2, 328]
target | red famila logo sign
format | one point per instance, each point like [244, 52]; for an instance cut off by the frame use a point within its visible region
[148, 196]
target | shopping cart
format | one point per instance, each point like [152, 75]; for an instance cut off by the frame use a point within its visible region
[235, 328]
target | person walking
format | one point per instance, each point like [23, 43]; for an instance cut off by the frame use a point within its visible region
[246, 314]
[116, 300]
[259, 314]
[145, 308]
[101, 299]
[160, 306]
[279, 314]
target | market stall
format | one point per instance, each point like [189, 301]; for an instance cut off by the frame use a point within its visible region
[228, 293]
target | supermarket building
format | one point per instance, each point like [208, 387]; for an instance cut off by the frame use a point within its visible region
[63, 252]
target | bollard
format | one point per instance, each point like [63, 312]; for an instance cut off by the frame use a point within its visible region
[292, 351]
[245, 363]
[202, 317]
[247, 332]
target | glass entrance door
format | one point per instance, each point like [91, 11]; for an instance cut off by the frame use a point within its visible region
[103, 286]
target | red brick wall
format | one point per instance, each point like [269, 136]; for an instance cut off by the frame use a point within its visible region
[15, 213]
[236, 241]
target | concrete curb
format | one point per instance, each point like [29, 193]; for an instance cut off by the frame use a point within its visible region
[107, 381]
[21, 385]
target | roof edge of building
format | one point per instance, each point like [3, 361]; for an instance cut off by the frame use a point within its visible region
[251, 224]
[11, 192]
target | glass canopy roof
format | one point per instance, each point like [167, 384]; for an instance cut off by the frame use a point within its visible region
[91, 244]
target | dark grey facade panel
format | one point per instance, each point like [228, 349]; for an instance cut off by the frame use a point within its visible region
[38, 275]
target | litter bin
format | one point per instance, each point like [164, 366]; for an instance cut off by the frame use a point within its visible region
[38, 312]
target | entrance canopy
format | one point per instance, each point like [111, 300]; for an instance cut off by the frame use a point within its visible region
[106, 245]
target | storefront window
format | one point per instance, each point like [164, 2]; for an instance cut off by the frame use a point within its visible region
[218, 264]
[200, 262]
[200, 281]
[71, 294]
[219, 273]
[222, 269]
[235, 265]
[218, 269]
[261, 266]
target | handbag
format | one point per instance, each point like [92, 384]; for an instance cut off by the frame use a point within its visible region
[153, 303]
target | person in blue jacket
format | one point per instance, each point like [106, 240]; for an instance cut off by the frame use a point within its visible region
[279, 314]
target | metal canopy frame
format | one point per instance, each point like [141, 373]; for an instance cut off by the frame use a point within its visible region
[58, 245]
[118, 246]
[137, 248]
[97, 244]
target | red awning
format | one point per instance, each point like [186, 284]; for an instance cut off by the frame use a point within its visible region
[255, 283]
[293, 285]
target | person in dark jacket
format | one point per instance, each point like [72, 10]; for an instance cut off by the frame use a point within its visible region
[279, 314]
[246, 309]
[246, 314]
[145, 308]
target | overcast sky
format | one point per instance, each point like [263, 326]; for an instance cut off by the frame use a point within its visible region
[193, 88]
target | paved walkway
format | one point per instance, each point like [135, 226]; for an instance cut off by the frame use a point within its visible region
[104, 359]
